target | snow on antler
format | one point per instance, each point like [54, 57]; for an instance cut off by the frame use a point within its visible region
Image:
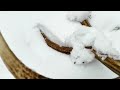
[49, 34]
[84, 37]
[79, 16]
[88, 36]
[104, 46]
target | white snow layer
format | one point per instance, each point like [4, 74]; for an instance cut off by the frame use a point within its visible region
[84, 36]
[78, 15]
[88, 36]
[103, 45]
[80, 55]
[38, 56]
[105, 20]
[49, 34]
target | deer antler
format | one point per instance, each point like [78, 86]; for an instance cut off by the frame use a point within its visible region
[113, 65]
[117, 78]
[57, 47]
[15, 66]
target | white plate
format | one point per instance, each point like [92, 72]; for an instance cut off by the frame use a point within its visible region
[35, 54]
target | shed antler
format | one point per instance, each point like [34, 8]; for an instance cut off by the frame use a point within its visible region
[113, 65]
[62, 49]
[117, 78]
[15, 66]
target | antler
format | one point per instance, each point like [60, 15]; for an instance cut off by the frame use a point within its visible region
[113, 65]
[117, 78]
[57, 47]
[15, 66]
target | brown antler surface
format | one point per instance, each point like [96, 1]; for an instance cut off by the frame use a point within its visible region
[15, 66]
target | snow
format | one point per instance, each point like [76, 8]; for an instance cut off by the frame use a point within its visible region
[84, 36]
[81, 56]
[89, 36]
[50, 35]
[98, 40]
[104, 46]
[108, 23]
[78, 15]
[105, 20]
[34, 53]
